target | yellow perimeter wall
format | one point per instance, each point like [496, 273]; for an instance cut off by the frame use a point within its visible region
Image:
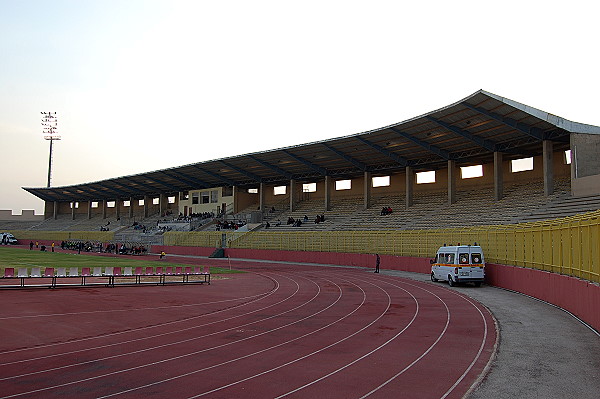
[568, 246]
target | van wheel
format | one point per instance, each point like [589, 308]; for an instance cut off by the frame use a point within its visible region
[451, 282]
[435, 280]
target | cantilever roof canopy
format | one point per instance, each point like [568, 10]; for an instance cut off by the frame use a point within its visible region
[468, 131]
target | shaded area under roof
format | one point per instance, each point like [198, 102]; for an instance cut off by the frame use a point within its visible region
[468, 132]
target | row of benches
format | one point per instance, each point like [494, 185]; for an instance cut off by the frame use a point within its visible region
[107, 276]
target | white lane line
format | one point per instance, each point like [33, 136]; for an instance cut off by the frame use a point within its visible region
[262, 350]
[319, 350]
[122, 354]
[108, 311]
[176, 357]
[485, 333]
[257, 298]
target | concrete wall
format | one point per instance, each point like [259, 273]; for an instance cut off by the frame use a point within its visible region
[243, 199]
[580, 297]
[200, 207]
[589, 185]
[585, 149]
[27, 215]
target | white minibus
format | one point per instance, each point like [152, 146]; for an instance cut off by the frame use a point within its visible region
[458, 264]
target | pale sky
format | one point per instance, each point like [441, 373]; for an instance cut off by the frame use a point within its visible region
[150, 84]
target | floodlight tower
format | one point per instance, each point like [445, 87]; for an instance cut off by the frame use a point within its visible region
[50, 128]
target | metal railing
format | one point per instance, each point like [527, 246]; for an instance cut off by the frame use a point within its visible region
[569, 245]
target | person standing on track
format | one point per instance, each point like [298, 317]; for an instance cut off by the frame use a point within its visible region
[377, 262]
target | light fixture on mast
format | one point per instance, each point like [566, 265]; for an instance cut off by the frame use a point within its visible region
[50, 131]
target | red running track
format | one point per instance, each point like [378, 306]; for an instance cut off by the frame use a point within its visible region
[280, 331]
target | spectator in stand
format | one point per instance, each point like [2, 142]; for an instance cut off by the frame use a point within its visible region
[267, 225]
[386, 211]
[318, 219]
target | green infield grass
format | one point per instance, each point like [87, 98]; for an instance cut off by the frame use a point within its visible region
[17, 257]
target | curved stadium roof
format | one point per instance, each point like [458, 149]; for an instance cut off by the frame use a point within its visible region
[468, 131]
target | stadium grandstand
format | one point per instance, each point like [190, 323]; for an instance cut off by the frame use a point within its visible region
[523, 183]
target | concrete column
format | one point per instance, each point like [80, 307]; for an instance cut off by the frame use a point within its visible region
[146, 199]
[104, 209]
[89, 210]
[55, 210]
[73, 210]
[451, 182]
[261, 197]
[548, 172]
[118, 208]
[498, 177]
[130, 207]
[327, 193]
[161, 204]
[367, 190]
[235, 205]
[292, 194]
[410, 178]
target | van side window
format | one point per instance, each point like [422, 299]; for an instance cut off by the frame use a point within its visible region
[450, 258]
[475, 258]
[463, 259]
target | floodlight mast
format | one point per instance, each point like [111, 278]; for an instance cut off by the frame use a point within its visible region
[49, 128]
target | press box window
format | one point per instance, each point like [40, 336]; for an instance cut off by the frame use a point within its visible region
[205, 195]
[279, 190]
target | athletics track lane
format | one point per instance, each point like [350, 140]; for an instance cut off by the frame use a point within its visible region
[279, 331]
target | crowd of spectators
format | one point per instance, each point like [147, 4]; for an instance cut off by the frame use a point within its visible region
[225, 225]
[386, 210]
[87, 246]
[196, 216]
[116, 248]
[139, 226]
